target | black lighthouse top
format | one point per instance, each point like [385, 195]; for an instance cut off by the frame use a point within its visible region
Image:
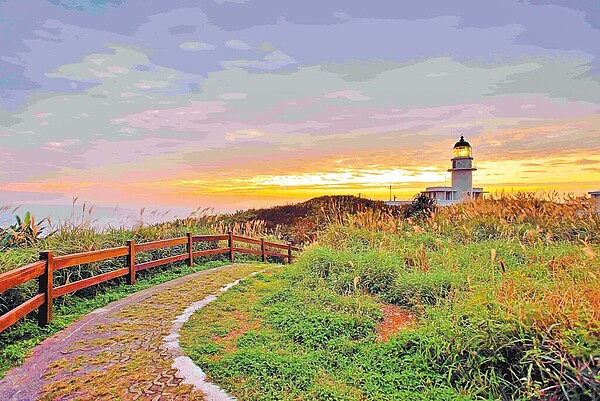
[462, 149]
[462, 143]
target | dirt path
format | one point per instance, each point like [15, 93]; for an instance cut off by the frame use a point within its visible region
[118, 352]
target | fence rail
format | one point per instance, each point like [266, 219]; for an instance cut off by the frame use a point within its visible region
[62, 262]
[21, 275]
[43, 269]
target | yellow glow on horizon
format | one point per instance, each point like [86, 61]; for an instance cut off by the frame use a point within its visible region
[350, 178]
[576, 173]
[545, 171]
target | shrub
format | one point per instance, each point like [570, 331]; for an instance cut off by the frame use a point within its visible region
[422, 206]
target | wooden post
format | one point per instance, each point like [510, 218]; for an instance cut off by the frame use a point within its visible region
[262, 249]
[45, 287]
[190, 249]
[231, 255]
[131, 262]
[289, 252]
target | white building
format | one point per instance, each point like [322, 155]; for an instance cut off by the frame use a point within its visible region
[596, 196]
[462, 179]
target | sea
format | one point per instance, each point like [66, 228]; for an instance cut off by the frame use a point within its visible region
[98, 216]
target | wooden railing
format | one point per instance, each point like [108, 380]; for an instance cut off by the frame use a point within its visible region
[44, 268]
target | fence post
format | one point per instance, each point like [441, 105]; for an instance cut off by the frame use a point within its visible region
[45, 287]
[231, 255]
[190, 249]
[131, 262]
[289, 252]
[262, 250]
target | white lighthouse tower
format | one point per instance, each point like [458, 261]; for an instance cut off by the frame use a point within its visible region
[462, 177]
[462, 169]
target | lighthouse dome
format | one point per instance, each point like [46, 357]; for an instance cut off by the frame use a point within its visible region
[461, 143]
[462, 148]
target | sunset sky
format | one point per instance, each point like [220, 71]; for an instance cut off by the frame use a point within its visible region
[233, 104]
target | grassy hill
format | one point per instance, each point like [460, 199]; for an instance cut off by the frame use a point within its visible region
[301, 222]
[320, 208]
[505, 293]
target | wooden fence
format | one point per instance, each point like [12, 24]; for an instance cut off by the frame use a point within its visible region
[44, 268]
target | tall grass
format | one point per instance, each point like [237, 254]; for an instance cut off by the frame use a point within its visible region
[509, 285]
[80, 233]
[524, 216]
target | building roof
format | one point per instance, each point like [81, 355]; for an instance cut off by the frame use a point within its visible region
[462, 143]
[438, 189]
[594, 192]
[450, 189]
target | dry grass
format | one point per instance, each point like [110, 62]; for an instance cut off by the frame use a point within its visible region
[567, 296]
[524, 216]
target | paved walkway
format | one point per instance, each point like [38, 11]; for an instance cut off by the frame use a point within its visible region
[122, 351]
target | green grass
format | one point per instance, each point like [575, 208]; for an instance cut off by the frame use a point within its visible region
[497, 319]
[306, 344]
[17, 341]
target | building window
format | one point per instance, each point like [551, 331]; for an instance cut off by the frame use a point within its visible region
[448, 195]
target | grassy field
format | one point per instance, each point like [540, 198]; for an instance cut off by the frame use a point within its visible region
[506, 294]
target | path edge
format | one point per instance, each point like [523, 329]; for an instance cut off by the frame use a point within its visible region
[186, 368]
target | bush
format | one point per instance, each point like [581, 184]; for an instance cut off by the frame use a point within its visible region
[422, 206]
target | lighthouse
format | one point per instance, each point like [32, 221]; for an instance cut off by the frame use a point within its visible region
[462, 177]
[462, 169]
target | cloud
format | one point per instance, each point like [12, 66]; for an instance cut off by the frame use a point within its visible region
[272, 61]
[231, 1]
[115, 82]
[61, 146]
[243, 134]
[237, 44]
[179, 119]
[233, 95]
[196, 46]
[399, 86]
[552, 138]
[341, 15]
[557, 77]
[348, 94]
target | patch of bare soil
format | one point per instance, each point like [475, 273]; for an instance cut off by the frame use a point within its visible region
[395, 319]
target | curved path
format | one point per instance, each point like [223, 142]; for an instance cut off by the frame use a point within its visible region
[119, 352]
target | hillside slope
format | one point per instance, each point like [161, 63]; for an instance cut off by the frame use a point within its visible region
[300, 222]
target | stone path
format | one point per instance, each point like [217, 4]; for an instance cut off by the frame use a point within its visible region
[119, 352]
